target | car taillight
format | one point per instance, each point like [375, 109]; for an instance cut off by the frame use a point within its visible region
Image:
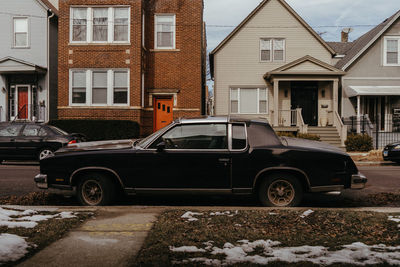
[72, 142]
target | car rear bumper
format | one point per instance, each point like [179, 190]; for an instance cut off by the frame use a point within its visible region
[41, 181]
[358, 181]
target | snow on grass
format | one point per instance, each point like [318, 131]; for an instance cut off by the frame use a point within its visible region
[356, 253]
[224, 213]
[12, 248]
[306, 213]
[190, 216]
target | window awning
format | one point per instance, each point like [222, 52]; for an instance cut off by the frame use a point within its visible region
[372, 91]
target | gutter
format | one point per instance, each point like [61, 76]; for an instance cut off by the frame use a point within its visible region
[48, 65]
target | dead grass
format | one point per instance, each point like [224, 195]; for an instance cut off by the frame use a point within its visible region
[331, 229]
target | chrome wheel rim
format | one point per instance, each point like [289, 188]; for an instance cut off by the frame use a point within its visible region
[92, 192]
[281, 193]
[45, 153]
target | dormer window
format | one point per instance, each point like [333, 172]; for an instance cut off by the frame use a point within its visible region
[391, 55]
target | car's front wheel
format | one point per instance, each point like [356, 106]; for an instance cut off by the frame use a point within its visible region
[95, 189]
[280, 190]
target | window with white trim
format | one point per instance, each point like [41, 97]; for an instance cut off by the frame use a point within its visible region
[272, 49]
[392, 51]
[99, 87]
[249, 101]
[20, 32]
[165, 31]
[100, 25]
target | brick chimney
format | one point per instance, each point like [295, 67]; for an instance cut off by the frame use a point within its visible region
[345, 36]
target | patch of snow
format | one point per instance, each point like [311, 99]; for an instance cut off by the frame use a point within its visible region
[35, 218]
[224, 213]
[12, 248]
[186, 249]
[306, 213]
[190, 216]
[394, 218]
[66, 215]
[356, 254]
[273, 213]
[238, 225]
[11, 224]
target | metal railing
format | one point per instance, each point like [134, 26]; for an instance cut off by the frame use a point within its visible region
[287, 118]
[342, 129]
[303, 128]
[30, 112]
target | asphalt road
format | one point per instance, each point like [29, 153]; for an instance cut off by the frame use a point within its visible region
[18, 180]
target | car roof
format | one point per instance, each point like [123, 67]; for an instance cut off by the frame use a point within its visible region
[220, 119]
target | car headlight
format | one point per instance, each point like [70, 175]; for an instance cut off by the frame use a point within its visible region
[397, 147]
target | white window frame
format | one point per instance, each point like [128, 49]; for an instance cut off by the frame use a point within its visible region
[272, 49]
[89, 91]
[174, 31]
[27, 33]
[89, 25]
[386, 38]
[258, 100]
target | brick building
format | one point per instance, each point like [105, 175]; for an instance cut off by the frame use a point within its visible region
[140, 60]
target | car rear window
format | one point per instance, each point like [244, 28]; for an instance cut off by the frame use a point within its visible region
[261, 135]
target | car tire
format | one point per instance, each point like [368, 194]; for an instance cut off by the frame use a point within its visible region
[44, 153]
[280, 190]
[96, 189]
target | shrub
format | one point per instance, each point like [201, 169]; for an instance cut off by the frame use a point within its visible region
[287, 134]
[313, 137]
[96, 130]
[359, 142]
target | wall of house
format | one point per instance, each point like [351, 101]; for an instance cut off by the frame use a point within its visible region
[37, 23]
[369, 70]
[238, 62]
[325, 104]
[53, 69]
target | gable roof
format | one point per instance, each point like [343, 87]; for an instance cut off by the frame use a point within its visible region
[365, 41]
[10, 64]
[326, 69]
[48, 5]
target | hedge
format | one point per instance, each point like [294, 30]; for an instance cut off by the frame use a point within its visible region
[96, 130]
[300, 135]
[359, 143]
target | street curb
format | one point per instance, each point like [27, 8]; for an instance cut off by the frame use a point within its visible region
[375, 163]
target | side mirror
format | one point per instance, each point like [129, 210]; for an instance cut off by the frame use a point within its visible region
[161, 147]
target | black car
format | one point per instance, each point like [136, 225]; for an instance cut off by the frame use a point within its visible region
[32, 141]
[392, 152]
[211, 155]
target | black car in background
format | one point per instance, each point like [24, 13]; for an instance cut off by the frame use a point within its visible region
[32, 141]
[211, 155]
[392, 152]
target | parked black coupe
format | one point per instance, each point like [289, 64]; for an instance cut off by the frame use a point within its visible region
[392, 152]
[213, 155]
[32, 141]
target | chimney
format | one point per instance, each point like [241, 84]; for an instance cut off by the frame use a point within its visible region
[345, 37]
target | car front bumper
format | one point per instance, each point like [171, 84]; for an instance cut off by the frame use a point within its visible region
[358, 181]
[41, 181]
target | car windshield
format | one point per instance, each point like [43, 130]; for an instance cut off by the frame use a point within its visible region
[58, 130]
[146, 141]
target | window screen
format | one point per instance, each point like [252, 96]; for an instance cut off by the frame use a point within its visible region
[120, 87]
[392, 51]
[79, 87]
[99, 94]
[165, 31]
[100, 24]
[121, 24]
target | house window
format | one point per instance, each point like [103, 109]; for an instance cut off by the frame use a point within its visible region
[165, 32]
[100, 24]
[100, 87]
[249, 101]
[392, 51]
[20, 32]
[272, 49]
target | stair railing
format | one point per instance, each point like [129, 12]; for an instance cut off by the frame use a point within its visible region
[342, 129]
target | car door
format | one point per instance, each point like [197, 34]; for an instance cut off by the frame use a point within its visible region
[196, 156]
[8, 135]
[29, 142]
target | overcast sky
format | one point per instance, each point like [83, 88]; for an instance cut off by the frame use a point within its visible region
[315, 12]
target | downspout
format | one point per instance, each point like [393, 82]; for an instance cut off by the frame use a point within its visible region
[48, 66]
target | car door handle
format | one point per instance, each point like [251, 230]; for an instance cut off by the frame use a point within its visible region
[224, 160]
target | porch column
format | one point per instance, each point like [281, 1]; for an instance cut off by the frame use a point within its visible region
[358, 114]
[276, 103]
[335, 95]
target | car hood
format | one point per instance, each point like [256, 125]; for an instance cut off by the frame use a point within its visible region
[309, 144]
[97, 145]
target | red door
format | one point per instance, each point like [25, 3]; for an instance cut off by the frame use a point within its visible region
[23, 102]
[163, 112]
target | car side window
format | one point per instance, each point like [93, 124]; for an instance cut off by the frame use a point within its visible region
[43, 132]
[196, 136]
[31, 130]
[238, 137]
[11, 130]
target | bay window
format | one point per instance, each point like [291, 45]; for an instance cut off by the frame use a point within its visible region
[99, 87]
[392, 51]
[248, 101]
[100, 24]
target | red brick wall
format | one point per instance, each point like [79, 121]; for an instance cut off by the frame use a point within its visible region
[180, 69]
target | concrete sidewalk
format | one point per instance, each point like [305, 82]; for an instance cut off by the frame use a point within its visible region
[112, 238]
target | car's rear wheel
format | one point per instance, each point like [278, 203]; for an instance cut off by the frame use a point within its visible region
[95, 189]
[44, 153]
[280, 190]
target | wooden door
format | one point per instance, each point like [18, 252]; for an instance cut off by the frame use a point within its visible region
[305, 96]
[163, 112]
[23, 102]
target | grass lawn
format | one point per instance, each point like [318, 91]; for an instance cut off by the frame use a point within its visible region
[229, 238]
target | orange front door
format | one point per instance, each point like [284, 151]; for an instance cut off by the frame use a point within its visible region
[163, 112]
[23, 102]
